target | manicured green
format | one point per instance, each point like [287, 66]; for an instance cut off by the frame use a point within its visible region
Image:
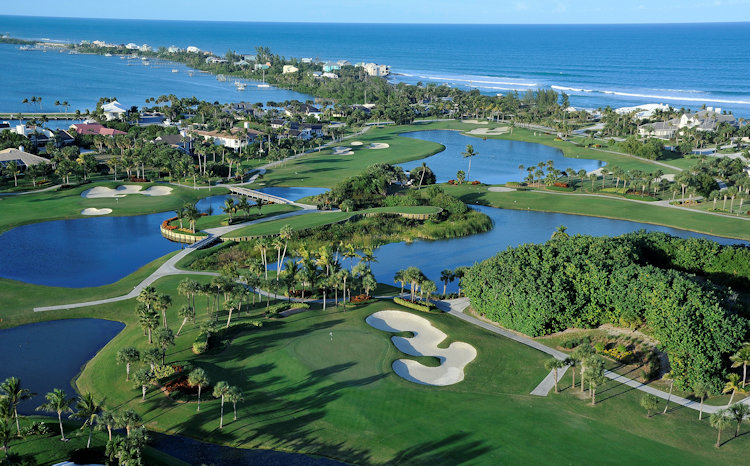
[304, 392]
[214, 221]
[66, 204]
[604, 207]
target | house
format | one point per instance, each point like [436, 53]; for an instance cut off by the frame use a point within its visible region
[131, 46]
[704, 120]
[63, 138]
[373, 69]
[306, 61]
[150, 118]
[329, 75]
[331, 66]
[22, 159]
[248, 57]
[261, 66]
[289, 69]
[303, 109]
[193, 49]
[214, 60]
[277, 123]
[4, 126]
[183, 143]
[242, 62]
[113, 110]
[95, 129]
[145, 48]
[174, 49]
[234, 139]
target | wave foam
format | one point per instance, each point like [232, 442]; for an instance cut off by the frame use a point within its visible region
[705, 99]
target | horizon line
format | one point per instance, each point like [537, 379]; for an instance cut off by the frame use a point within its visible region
[645, 23]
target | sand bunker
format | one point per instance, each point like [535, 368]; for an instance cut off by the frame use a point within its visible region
[124, 190]
[476, 122]
[94, 211]
[424, 343]
[342, 150]
[489, 132]
[500, 189]
[379, 145]
[356, 143]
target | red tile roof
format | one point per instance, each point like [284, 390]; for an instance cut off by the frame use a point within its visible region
[96, 128]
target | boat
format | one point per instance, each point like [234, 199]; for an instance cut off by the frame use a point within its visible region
[240, 87]
[264, 85]
[175, 70]
[107, 54]
[122, 57]
[146, 63]
[190, 73]
[263, 82]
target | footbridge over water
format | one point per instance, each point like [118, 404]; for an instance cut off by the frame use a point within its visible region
[265, 197]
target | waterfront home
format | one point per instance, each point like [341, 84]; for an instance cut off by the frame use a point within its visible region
[22, 159]
[151, 118]
[183, 143]
[303, 109]
[306, 61]
[193, 49]
[277, 123]
[242, 62]
[331, 66]
[235, 139]
[373, 69]
[261, 66]
[214, 60]
[131, 46]
[704, 120]
[113, 110]
[329, 75]
[174, 49]
[5, 126]
[145, 48]
[95, 129]
[289, 69]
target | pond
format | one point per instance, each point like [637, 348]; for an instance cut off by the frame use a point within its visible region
[511, 228]
[498, 159]
[82, 252]
[50, 355]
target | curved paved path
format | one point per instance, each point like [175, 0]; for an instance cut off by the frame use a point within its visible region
[456, 308]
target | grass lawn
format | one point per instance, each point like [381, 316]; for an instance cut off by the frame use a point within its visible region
[304, 392]
[56, 205]
[604, 207]
[213, 221]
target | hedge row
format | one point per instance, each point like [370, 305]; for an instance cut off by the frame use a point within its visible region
[411, 305]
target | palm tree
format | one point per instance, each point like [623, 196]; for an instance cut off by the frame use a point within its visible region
[191, 214]
[229, 207]
[368, 257]
[142, 378]
[739, 411]
[285, 234]
[668, 376]
[186, 313]
[554, 364]
[400, 277]
[571, 362]
[649, 403]
[12, 169]
[742, 358]
[57, 402]
[107, 420]
[460, 176]
[164, 339]
[733, 386]
[128, 356]
[428, 287]
[129, 420]
[198, 378]
[221, 389]
[6, 433]
[469, 153]
[88, 410]
[446, 275]
[720, 420]
[235, 396]
[162, 304]
[13, 392]
[701, 391]
[595, 380]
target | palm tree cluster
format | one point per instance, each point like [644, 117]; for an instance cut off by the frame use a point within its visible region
[222, 391]
[418, 283]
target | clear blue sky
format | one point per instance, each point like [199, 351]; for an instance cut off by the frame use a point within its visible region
[398, 11]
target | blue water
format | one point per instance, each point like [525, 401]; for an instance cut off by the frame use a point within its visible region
[292, 193]
[498, 159]
[616, 65]
[49, 355]
[82, 252]
[511, 228]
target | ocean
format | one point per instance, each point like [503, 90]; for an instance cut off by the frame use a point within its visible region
[683, 65]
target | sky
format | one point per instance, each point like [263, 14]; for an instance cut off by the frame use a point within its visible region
[398, 11]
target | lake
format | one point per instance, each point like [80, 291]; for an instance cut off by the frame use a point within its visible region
[498, 159]
[50, 355]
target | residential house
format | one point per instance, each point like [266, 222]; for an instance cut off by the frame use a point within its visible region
[5, 126]
[303, 109]
[181, 142]
[113, 110]
[235, 139]
[289, 69]
[150, 118]
[329, 75]
[373, 69]
[22, 159]
[704, 120]
[306, 61]
[261, 66]
[193, 49]
[331, 66]
[95, 129]
[131, 46]
[277, 123]
[145, 48]
[174, 49]
[215, 60]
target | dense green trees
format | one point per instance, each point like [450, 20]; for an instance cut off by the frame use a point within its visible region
[584, 281]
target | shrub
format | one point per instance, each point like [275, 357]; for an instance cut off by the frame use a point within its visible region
[411, 305]
[561, 184]
[200, 345]
[166, 370]
[475, 182]
[360, 298]
[599, 347]
[512, 184]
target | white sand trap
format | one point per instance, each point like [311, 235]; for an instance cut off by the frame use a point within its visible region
[500, 189]
[157, 191]
[476, 122]
[424, 343]
[124, 190]
[379, 145]
[342, 150]
[489, 132]
[356, 143]
[94, 211]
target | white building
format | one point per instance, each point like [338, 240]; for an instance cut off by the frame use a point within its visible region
[373, 69]
[132, 46]
[113, 110]
[193, 49]
[289, 69]
[235, 139]
[329, 75]
[145, 48]
[174, 49]
[704, 120]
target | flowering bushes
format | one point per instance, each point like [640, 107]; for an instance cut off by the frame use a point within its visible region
[360, 298]
[475, 182]
[561, 184]
[166, 224]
